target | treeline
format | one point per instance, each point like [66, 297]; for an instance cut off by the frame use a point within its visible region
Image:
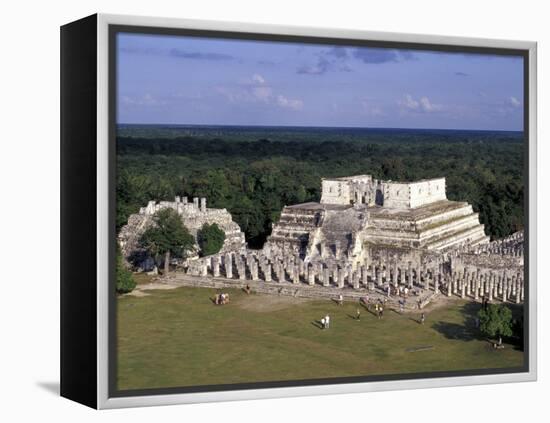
[255, 179]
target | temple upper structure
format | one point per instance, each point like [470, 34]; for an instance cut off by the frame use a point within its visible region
[363, 189]
[360, 217]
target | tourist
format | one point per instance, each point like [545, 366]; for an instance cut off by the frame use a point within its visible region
[341, 299]
[422, 318]
[327, 321]
[247, 289]
[401, 306]
[358, 315]
[381, 311]
[406, 291]
[323, 323]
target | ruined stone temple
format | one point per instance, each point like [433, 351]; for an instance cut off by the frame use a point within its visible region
[359, 215]
[364, 236]
[193, 215]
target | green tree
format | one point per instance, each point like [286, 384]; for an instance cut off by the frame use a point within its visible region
[496, 320]
[124, 279]
[210, 239]
[167, 236]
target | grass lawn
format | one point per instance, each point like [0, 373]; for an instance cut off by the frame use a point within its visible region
[178, 337]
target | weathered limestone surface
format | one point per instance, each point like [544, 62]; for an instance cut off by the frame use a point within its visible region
[193, 215]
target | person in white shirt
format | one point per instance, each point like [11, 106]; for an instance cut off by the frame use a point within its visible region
[327, 321]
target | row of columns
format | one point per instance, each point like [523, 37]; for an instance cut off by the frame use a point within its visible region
[465, 282]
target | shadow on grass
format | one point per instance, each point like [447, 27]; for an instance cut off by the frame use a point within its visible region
[317, 324]
[469, 331]
[369, 309]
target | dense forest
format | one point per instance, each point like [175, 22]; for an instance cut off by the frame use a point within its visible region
[254, 172]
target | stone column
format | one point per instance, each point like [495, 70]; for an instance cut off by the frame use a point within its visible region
[323, 247]
[364, 275]
[242, 271]
[203, 205]
[216, 266]
[228, 264]
[341, 277]
[296, 274]
[355, 279]
[326, 277]
[311, 275]
[254, 271]
[337, 249]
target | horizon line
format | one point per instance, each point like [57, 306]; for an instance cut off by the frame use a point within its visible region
[321, 126]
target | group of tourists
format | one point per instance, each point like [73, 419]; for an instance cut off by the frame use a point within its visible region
[221, 299]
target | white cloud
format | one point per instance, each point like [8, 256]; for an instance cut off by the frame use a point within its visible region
[515, 102]
[145, 100]
[262, 93]
[289, 103]
[427, 106]
[408, 103]
[258, 79]
[256, 89]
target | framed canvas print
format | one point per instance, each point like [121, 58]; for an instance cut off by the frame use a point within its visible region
[253, 211]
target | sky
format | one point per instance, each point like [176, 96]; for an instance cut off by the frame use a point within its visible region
[207, 81]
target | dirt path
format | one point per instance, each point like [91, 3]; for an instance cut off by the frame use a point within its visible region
[140, 289]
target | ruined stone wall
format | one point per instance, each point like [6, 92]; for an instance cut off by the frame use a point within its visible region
[427, 192]
[336, 191]
[404, 195]
[193, 215]
[396, 195]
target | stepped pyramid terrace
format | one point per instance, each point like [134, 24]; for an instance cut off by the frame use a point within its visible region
[364, 237]
[359, 213]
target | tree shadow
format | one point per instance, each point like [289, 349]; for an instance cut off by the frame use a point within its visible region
[469, 331]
